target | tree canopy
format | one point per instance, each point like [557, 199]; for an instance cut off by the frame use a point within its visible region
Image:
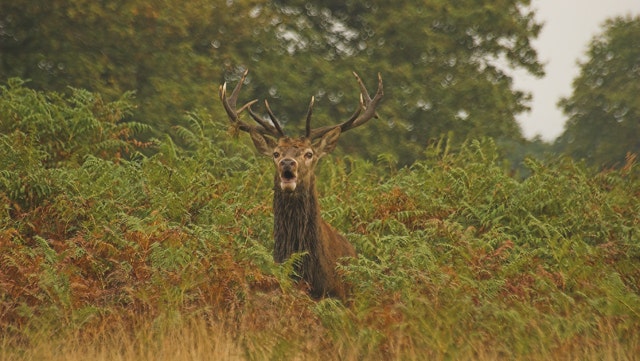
[441, 60]
[604, 109]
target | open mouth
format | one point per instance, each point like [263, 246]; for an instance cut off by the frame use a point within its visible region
[288, 180]
[288, 175]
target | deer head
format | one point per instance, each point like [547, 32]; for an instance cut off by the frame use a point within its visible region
[270, 140]
[298, 226]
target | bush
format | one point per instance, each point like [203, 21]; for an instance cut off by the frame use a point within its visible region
[457, 260]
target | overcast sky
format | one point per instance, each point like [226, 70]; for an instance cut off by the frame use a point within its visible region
[569, 26]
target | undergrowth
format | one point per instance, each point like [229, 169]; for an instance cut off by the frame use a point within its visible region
[457, 259]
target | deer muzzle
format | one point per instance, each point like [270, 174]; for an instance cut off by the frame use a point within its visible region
[288, 170]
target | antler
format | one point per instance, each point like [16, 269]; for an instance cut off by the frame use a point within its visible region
[263, 126]
[365, 111]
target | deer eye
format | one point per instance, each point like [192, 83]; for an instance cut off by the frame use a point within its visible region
[308, 155]
[276, 154]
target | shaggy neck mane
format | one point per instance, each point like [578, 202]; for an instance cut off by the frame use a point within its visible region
[296, 226]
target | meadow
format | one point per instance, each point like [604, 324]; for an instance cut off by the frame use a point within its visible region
[116, 249]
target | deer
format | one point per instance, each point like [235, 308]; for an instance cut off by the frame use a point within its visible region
[298, 225]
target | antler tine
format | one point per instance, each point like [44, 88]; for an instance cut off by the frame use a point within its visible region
[309, 112]
[258, 119]
[366, 103]
[236, 90]
[364, 113]
[229, 104]
[364, 94]
[274, 120]
[232, 113]
[266, 128]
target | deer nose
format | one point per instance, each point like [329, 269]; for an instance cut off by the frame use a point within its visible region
[288, 163]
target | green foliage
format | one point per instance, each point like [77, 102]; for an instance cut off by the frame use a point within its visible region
[164, 52]
[457, 260]
[436, 57]
[604, 108]
[41, 133]
[455, 252]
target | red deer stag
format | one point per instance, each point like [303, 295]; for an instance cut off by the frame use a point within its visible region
[298, 226]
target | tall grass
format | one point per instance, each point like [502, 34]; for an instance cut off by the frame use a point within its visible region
[106, 253]
[194, 341]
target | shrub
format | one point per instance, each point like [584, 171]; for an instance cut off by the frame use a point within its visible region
[457, 260]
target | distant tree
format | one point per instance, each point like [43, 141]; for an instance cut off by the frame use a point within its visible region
[173, 54]
[604, 109]
[442, 61]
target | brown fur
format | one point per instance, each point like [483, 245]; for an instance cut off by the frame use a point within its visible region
[298, 226]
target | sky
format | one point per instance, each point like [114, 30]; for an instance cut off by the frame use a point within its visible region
[569, 26]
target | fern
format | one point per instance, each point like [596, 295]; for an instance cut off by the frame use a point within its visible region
[456, 259]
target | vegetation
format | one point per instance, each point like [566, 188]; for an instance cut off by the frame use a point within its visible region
[438, 57]
[111, 254]
[604, 109]
[140, 227]
[445, 62]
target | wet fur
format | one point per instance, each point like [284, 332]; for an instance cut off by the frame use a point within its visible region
[298, 227]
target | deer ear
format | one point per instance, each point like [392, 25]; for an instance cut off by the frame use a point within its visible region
[264, 145]
[328, 142]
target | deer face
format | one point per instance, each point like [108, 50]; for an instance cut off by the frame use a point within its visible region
[295, 160]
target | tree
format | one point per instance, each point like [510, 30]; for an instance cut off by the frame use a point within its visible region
[440, 60]
[173, 54]
[604, 108]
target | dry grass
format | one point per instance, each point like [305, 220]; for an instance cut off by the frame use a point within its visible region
[195, 341]
[198, 340]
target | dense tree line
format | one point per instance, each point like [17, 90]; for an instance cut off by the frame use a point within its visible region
[438, 59]
[443, 63]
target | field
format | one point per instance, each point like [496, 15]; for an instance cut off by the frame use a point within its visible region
[113, 249]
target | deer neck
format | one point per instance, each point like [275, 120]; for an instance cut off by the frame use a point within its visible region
[296, 221]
